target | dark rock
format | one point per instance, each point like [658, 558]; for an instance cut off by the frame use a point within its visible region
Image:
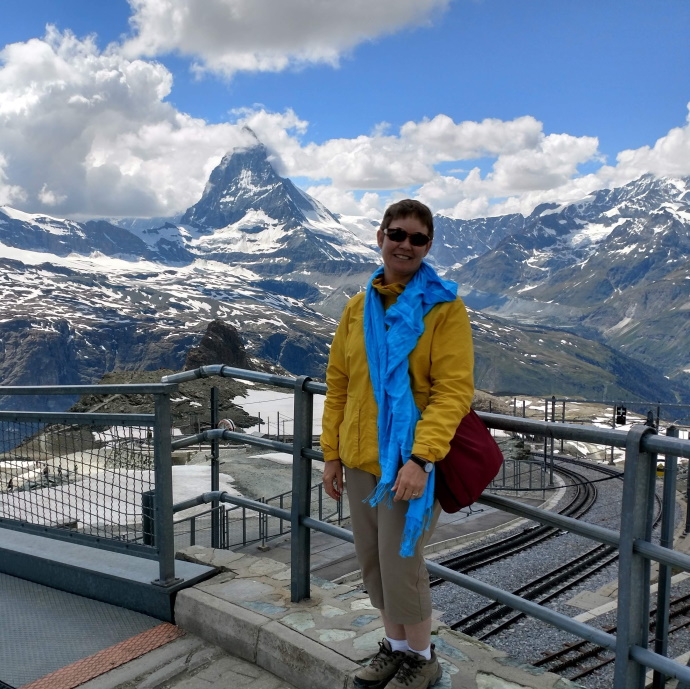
[221, 344]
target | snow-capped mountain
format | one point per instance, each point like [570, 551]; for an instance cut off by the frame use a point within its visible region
[614, 264]
[248, 214]
[257, 253]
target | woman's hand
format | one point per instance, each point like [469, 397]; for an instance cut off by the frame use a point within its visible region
[410, 483]
[333, 478]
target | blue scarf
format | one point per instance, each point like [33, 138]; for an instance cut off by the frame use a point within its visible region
[390, 336]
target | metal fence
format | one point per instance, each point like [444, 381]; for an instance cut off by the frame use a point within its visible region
[240, 526]
[520, 476]
[633, 540]
[98, 502]
[80, 476]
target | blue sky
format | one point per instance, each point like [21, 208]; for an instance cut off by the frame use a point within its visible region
[476, 107]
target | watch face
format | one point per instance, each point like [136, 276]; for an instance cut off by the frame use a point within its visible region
[428, 467]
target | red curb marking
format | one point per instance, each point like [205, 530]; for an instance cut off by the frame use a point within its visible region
[109, 658]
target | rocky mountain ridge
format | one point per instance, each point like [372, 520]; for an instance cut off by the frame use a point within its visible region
[261, 256]
[614, 266]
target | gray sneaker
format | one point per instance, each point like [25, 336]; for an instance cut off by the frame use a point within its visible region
[381, 669]
[416, 672]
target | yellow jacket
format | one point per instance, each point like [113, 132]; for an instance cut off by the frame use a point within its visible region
[441, 375]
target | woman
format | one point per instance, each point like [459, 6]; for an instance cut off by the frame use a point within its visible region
[399, 381]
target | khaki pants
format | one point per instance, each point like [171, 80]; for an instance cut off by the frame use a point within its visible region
[397, 585]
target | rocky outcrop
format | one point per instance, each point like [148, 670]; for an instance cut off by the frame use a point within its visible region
[191, 409]
[221, 344]
[53, 353]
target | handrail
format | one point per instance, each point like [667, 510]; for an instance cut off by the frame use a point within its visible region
[641, 444]
[114, 389]
[54, 417]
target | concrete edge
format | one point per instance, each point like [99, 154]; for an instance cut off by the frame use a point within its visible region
[301, 661]
[209, 617]
[267, 643]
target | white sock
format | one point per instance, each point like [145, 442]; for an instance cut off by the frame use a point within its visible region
[426, 653]
[397, 645]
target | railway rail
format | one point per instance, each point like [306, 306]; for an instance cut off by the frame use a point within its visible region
[581, 502]
[494, 617]
[570, 659]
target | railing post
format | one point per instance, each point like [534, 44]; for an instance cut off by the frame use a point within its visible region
[301, 492]
[546, 440]
[553, 420]
[163, 523]
[634, 569]
[666, 540]
[215, 471]
[686, 531]
[263, 528]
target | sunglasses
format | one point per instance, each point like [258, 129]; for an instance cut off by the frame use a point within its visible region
[397, 234]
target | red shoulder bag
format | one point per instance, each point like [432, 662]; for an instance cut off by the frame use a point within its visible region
[471, 464]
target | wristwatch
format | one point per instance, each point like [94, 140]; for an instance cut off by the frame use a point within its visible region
[424, 463]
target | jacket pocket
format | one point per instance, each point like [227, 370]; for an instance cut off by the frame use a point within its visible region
[349, 433]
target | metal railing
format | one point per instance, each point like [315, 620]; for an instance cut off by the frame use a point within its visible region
[240, 530]
[80, 476]
[520, 475]
[633, 539]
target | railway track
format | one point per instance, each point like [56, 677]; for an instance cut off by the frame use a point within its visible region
[571, 658]
[585, 495]
[495, 617]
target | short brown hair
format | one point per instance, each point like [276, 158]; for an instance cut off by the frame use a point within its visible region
[409, 208]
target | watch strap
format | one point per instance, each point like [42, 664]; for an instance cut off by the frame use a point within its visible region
[423, 463]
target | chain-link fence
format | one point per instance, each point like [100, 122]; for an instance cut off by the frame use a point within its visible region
[80, 476]
[83, 477]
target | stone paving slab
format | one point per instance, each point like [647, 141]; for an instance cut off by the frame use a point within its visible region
[319, 643]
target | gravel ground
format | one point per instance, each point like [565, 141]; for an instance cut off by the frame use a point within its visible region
[530, 639]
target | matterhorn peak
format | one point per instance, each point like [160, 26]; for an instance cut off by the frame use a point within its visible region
[245, 181]
[248, 210]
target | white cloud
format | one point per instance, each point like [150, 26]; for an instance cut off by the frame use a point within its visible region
[451, 141]
[9, 193]
[526, 160]
[389, 161]
[551, 163]
[344, 202]
[49, 197]
[87, 133]
[227, 36]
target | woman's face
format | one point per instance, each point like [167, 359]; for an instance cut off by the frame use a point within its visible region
[401, 260]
